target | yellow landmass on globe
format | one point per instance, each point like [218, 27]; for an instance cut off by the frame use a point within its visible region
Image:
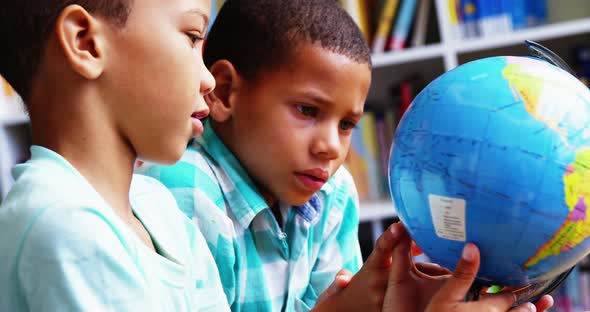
[576, 179]
[576, 228]
[529, 88]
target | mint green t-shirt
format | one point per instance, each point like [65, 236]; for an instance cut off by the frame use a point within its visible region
[62, 247]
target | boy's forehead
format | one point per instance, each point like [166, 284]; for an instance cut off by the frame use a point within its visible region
[181, 5]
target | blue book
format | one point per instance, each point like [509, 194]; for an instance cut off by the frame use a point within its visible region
[215, 6]
[517, 10]
[469, 14]
[536, 11]
[486, 17]
[403, 23]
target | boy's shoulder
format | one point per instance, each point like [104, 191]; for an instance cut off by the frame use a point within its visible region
[51, 213]
[192, 170]
[50, 203]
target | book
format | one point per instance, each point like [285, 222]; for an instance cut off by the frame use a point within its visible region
[215, 6]
[505, 9]
[404, 92]
[454, 10]
[363, 158]
[357, 10]
[420, 23]
[469, 18]
[536, 12]
[384, 25]
[517, 9]
[401, 28]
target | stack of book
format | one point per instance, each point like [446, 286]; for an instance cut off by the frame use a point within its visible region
[391, 25]
[480, 18]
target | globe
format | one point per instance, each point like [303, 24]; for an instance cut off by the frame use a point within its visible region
[497, 152]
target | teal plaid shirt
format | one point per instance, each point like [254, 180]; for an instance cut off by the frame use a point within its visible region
[264, 267]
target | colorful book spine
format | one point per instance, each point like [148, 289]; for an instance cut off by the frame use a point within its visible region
[215, 7]
[505, 8]
[363, 158]
[421, 23]
[469, 15]
[485, 17]
[356, 10]
[403, 23]
[536, 11]
[384, 25]
[454, 9]
[517, 9]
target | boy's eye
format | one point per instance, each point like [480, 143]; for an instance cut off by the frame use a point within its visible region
[346, 125]
[194, 37]
[306, 110]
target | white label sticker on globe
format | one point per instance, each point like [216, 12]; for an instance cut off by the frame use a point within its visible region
[448, 217]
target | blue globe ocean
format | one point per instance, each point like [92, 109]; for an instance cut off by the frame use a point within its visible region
[497, 152]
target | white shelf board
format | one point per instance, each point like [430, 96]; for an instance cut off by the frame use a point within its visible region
[377, 210]
[539, 33]
[408, 55]
[14, 120]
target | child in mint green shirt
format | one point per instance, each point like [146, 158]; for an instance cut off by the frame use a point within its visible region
[80, 232]
[70, 251]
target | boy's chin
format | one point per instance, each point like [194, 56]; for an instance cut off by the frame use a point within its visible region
[298, 200]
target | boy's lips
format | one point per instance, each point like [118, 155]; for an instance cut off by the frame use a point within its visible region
[313, 179]
[197, 124]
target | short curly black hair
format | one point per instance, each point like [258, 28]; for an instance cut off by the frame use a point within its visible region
[25, 27]
[255, 35]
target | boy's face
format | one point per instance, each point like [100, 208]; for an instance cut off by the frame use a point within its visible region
[291, 127]
[156, 78]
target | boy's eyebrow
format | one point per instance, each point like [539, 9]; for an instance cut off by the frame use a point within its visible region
[200, 13]
[318, 97]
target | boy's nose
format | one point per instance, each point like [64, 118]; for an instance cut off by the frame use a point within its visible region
[327, 143]
[207, 82]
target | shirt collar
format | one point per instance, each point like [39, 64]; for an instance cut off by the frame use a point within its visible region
[236, 185]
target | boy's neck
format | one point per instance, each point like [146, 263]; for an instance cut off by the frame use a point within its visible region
[78, 128]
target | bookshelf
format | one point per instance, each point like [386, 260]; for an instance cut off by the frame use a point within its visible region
[559, 34]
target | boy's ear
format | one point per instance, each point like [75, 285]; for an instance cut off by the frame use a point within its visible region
[80, 38]
[219, 100]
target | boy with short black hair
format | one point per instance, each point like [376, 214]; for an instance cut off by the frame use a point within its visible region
[105, 82]
[265, 184]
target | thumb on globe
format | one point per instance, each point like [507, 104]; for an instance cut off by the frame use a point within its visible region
[380, 258]
[458, 285]
[402, 261]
